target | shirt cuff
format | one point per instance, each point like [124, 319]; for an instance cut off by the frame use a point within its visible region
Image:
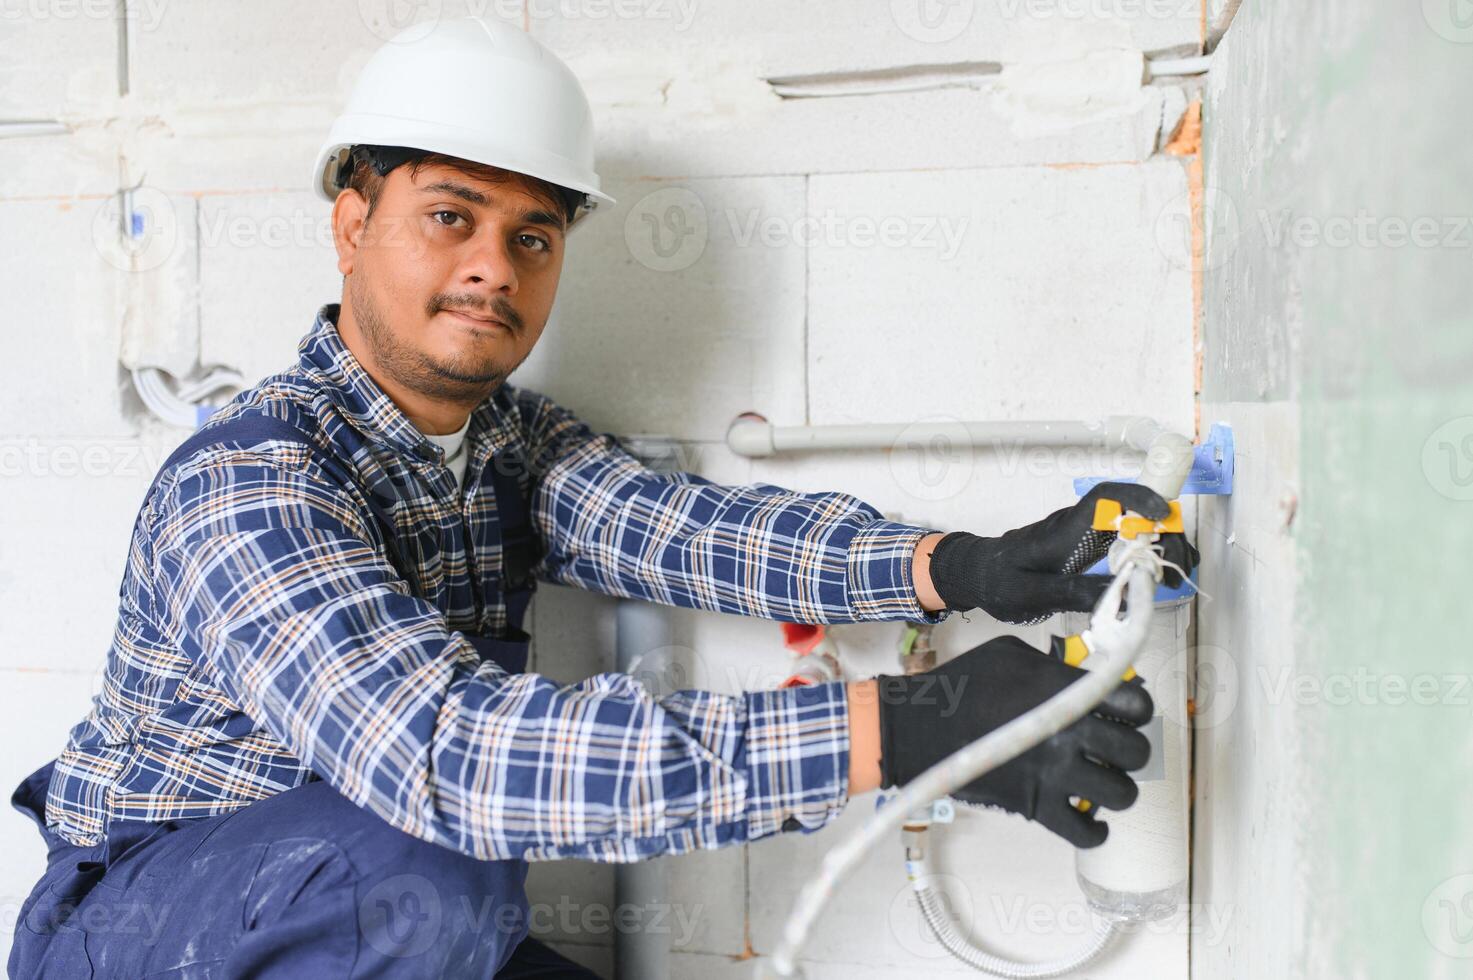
[796, 758]
[880, 584]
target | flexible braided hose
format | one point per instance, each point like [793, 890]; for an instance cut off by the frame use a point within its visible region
[933, 910]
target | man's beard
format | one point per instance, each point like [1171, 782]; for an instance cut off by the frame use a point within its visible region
[459, 379]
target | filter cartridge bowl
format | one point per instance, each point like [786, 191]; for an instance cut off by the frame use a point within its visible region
[1140, 872]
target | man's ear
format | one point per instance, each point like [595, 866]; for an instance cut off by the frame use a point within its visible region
[349, 218]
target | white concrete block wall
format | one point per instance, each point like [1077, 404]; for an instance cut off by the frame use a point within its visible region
[646, 288]
[994, 294]
[266, 264]
[777, 39]
[57, 61]
[788, 256]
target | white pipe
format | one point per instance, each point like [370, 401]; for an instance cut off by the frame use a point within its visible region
[161, 401]
[1115, 641]
[1168, 455]
[209, 384]
[1165, 67]
[182, 407]
[887, 81]
[36, 127]
[841, 89]
[642, 633]
[641, 628]
[752, 435]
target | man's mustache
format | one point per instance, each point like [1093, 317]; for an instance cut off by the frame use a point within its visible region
[499, 308]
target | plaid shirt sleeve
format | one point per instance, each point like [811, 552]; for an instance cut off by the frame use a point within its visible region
[612, 525]
[267, 572]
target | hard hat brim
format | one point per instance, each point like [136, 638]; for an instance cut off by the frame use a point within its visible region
[353, 130]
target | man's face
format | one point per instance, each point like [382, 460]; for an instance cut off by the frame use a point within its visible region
[450, 280]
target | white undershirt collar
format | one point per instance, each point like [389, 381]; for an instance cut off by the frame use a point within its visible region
[454, 446]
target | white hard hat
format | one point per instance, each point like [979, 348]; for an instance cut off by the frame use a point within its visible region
[473, 88]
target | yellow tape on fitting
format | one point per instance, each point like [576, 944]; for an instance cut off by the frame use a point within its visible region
[1075, 651]
[1111, 516]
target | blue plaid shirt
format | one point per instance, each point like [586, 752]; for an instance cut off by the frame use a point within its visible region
[264, 640]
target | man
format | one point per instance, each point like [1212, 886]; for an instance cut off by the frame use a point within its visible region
[316, 753]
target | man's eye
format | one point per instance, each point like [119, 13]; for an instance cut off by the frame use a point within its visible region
[447, 218]
[534, 242]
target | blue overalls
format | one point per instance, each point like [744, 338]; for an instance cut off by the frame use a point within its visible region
[303, 885]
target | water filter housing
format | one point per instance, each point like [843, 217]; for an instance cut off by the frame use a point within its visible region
[1140, 872]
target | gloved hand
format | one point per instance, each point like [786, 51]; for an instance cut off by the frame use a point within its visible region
[926, 717]
[1032, 572]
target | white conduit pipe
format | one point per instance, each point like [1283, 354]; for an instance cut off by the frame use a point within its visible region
[1115, 641]
[15, 129]
[753, 436]
[161, 399]
[641, 628]
[181, 407]
[1169, 455]
[1175, 67]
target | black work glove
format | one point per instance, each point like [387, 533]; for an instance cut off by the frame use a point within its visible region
[1032, 572]
[926, 717]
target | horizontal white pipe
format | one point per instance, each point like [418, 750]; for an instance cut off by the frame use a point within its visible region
[1163, 67]
[32, 127]
[755, 437]
[843, 90]
[887, 81]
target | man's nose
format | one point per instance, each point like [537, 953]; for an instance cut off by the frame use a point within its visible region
[487, 261]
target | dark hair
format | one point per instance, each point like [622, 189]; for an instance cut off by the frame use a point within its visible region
[366, 180]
